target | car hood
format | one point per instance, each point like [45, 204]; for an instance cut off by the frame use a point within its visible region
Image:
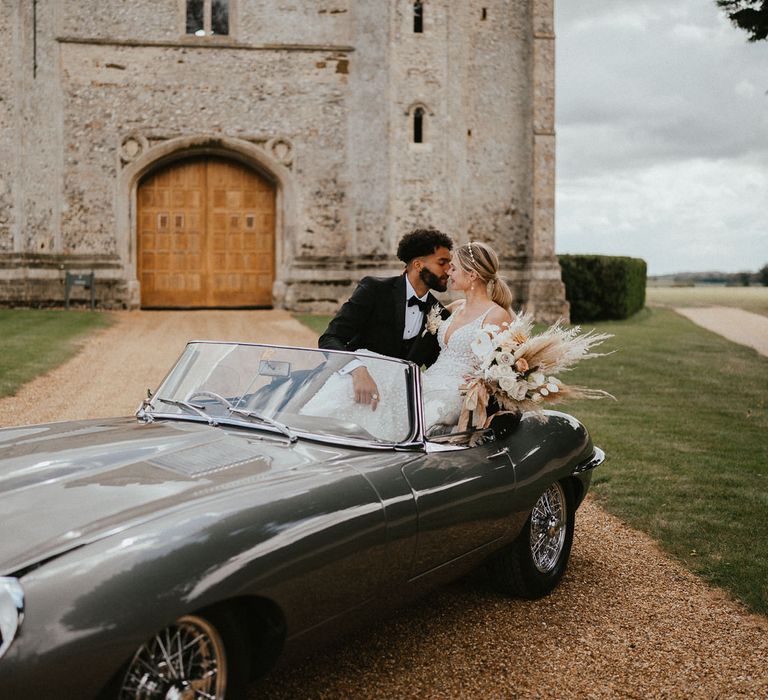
[65, 484]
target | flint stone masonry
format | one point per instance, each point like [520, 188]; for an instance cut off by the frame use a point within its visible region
[318, 96]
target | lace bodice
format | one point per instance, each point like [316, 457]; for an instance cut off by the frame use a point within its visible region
[457, 353]
[441, 382]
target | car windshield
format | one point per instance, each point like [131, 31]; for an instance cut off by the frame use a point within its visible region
[289, 390]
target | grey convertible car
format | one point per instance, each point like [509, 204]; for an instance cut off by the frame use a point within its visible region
[178, 553]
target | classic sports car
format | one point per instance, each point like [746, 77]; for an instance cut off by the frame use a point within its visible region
[177, 555]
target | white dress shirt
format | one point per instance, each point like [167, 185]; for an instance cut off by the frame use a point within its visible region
[414, 316]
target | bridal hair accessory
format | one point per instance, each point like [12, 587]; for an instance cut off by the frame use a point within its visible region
[518, 369]
[471, 256]
[432, 321]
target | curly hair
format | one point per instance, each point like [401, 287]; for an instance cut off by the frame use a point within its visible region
[422, 241]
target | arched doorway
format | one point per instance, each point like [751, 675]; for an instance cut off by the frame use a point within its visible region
[206, 235]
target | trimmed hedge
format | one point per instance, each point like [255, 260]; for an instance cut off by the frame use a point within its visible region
[603, 287]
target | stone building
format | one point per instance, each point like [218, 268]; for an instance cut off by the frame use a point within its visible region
[220, 153]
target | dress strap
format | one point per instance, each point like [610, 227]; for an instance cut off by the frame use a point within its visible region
[481, 318]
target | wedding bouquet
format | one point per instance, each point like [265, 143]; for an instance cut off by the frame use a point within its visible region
[520, 370]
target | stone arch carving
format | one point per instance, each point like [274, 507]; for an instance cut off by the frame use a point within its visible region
[274, 163]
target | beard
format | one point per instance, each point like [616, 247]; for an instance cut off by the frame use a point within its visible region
[439, 284]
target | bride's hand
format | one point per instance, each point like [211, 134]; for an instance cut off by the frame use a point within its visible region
[365, 388]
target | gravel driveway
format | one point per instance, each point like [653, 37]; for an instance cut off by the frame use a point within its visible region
[627, 622]
[737, 325]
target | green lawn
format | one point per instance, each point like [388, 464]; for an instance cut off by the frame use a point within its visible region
[314, 322]
[754, 299]
[34, 341]
[687, 444]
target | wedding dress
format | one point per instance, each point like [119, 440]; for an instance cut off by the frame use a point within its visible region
[442, 381]
[440, 387]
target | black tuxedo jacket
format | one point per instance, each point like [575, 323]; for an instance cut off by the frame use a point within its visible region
[374, 319]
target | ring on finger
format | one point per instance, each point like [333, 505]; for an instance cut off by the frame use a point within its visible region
[375, 396]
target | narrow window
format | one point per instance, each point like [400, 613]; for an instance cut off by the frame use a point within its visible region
[418, 125]
[220, 17]
[485, 14]
[195, 24]
[418, 17]
[207, 17]
[34, 38]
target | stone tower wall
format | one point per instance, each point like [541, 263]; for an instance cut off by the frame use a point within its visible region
[316, 95]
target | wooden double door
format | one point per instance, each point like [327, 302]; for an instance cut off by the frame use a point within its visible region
[206, 236]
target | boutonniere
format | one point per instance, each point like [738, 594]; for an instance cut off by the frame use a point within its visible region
[433, 320]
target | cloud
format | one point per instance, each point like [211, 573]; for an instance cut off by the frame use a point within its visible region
[688, 215]
[662, 115]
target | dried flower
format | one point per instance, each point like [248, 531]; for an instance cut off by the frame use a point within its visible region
[519, 369]
[433, 320]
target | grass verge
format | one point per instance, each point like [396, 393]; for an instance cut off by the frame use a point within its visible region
[686, 444]
[314, 322]
[688, 454]
[34, 341]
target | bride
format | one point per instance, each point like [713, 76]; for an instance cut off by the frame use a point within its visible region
[487, 300]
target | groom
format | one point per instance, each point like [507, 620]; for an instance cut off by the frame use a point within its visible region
[386, 315]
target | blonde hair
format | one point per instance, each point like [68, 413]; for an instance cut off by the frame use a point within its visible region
[482, 259]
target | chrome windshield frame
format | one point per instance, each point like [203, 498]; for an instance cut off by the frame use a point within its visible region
[414, 441]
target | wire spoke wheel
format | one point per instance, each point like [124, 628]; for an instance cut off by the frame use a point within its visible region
[534, 564]
[185, 661]
[548, 528]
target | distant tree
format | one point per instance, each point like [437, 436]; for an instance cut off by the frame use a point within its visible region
[749, 15]
[763, 275]
[744, 278]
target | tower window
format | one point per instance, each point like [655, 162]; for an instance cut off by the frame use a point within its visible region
[220, 17]
[207, 17]
[418, 17]
[418, 125]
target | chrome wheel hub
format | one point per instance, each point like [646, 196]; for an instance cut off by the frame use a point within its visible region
[548, 531]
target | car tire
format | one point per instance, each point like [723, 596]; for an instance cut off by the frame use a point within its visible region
[216, 660]
[533, 565]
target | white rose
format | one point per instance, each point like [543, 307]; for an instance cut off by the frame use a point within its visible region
[507, 384]
[482, 345]
[519, 392]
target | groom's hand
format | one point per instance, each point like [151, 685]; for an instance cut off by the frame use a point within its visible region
[366, 390]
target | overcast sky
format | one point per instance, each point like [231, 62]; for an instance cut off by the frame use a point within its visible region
[662, 135]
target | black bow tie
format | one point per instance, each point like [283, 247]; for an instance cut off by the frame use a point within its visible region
[423, 305]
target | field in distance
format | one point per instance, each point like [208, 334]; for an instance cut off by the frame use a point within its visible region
[754, 299]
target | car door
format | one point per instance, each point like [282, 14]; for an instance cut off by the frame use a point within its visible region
[464, 499]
